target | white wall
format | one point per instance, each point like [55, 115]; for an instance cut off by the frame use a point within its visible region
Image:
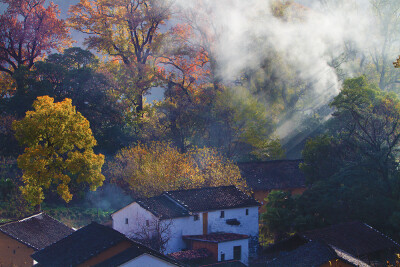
[136, 215]
[183, 226]
[147, 260]
[227, 249]
[248, 223]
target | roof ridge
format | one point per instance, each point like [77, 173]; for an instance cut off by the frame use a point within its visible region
[269, 161]
[199, 188]
[379, 232]
[21, 220]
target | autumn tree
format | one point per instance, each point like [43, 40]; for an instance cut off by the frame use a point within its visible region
[148, 170]
[128, 30]
[187, 85]
[28, 30]
[58, 151]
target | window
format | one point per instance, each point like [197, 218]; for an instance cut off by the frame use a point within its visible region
[147, 223]
[247, 211]
[196, 217]
[126, 220]
[222, 256]
[222, 214]
[237, 252]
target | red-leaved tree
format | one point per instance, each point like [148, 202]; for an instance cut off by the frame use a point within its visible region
[29, 30]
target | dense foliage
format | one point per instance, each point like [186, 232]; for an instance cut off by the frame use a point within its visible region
[352, 170]
[58, 151]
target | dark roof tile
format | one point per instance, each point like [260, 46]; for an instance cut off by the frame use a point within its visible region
[270, 175]
[37, 231]
[355, 238]
[216, 237]
[189, 255]
[163, 207]
[212, 198]
[79, 246]
[310, 254]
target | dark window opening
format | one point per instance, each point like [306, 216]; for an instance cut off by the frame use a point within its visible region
[14, 251]
[147, 223]
[247, 211]
[237, 252]
[196, 217]
[222, 214]
[222, 256]
[126, 220]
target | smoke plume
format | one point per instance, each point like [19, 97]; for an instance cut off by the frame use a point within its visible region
[310, 37]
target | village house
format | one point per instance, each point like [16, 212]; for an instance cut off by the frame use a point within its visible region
[20, 239]
[100, 246]
[223, 220]
[356, 242]
[263, 177]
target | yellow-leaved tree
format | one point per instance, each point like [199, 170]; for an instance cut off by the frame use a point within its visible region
[58, 150]
[148, 170]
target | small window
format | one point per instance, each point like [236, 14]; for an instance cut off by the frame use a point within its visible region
[14, 251]
[222, 214]
[147, 223]
[126, 220]
[196, 217]
[222, 256]
[237, 252]
[247, 211]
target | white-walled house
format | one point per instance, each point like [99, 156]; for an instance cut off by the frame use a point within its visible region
[195, 212]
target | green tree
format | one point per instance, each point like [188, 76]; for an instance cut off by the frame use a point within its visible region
[352, 170]
[58, 150]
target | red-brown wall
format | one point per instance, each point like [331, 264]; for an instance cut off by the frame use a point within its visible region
[14, 253]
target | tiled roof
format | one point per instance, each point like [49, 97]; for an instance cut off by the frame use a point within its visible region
[37, 231]
[212, 198]
[311, 254]
[216, 237]
[79, 246]
[231, 263]
[163, 207]
[269, 175]
[355, 238]
[133, 252]
[194, 254]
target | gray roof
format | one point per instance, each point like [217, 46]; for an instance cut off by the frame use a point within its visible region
[37, 231]
[163, 207]
[88, 242]
[181, 203]
[311, 254]
[212, 198]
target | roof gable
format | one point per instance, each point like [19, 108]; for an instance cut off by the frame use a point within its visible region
[212, 198]
[37, 231]
[269, 175]
[136, 251]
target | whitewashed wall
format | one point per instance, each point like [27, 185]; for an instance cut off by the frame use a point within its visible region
[147, 260]
[248, 223]
[136, 215]
[227, 249]
[183, 226]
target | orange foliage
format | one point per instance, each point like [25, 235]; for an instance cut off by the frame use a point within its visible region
[150, 170]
